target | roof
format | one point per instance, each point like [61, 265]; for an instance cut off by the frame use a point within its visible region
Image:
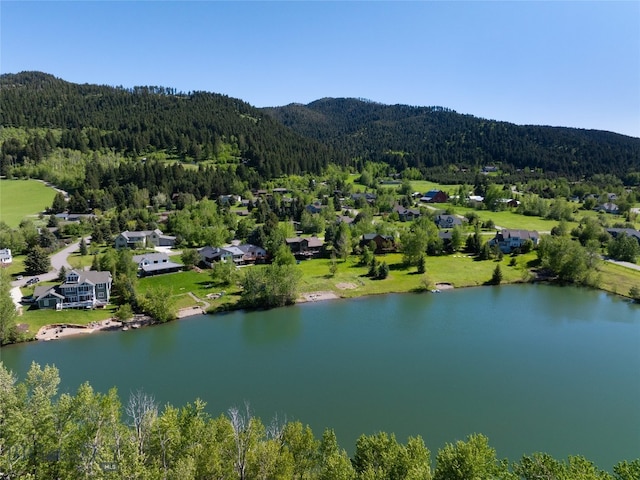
[311, 241]
[89, 276]
[154, 267]
[248, 247]
[152, 257]
[233, 250]
[630, 232]
[42, 291]
[371, 236]
[507, 233]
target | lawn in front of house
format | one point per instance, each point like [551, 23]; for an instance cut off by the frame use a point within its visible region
[23, 198]
[36, 318]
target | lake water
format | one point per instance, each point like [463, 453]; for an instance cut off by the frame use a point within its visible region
[533, 367]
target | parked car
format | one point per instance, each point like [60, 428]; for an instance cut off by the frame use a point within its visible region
[19, 277]
[32, 281]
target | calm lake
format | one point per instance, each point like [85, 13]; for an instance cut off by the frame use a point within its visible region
[533, 367]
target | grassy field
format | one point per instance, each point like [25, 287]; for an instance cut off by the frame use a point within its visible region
[23, 198]
[350, 279]
[618, 279]
[509, 219]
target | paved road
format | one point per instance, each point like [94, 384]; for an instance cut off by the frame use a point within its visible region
[58, 260]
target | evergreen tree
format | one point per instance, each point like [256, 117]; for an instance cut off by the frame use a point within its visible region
[496, 278]
[83, 247]
[59, 203]
[37, 261]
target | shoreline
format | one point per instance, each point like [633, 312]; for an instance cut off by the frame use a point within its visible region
[61, 330]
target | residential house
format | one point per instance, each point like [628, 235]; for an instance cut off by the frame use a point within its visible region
[305, 247]
[509, 202]
[629, 232]
[447, 221]
[509, 240]
[253, 253]
[475, 200]
[435, 196]
[86, 289]
[384, 243]
[236, 255]
[315, 207]
[145, 238]
[155, 264]
[229, 200]
[608, 208]
[366, 196]
[344, 219]
[406, 214]
[5, 257]
[240, 254]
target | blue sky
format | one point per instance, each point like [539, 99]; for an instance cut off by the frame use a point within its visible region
[571, 64]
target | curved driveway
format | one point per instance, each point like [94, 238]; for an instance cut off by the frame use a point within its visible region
[58, 260]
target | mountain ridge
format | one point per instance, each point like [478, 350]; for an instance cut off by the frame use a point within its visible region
[298, 138]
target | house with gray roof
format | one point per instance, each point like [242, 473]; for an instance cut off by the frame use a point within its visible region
[144, 238]
[508, 240]
[447, 221]
[155, 263]
[629, 232]
[86, 289]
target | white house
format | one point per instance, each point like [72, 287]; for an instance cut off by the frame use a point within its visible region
[146, 238]
[5, 257]
[155, 263]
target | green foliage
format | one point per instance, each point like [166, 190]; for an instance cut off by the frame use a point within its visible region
[270, 286]
[37, 261]
[284, 256]
[159, 304]
[496, 278]
[468, 460]
[380, 456]
[83, 247]
[624, 248]
[224, 273]
[567, 259]
[87, 434]
[8, 314]
[190, 257]
[432, 138]
[124, 313]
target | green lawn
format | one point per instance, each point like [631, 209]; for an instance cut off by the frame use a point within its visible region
[509, 219]
[351, 280]
[23, 198]
[618, 279]
[36, 318]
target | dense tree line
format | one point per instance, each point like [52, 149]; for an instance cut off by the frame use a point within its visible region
[45, 434]
[195, 126]
[431, 139]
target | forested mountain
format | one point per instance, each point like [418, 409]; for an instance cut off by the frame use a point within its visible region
[430, 138]
[199, 126]
[136, 121]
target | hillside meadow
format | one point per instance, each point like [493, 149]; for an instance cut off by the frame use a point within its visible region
[23, 198]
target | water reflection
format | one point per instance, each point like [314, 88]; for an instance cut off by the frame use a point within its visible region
[275, 326]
